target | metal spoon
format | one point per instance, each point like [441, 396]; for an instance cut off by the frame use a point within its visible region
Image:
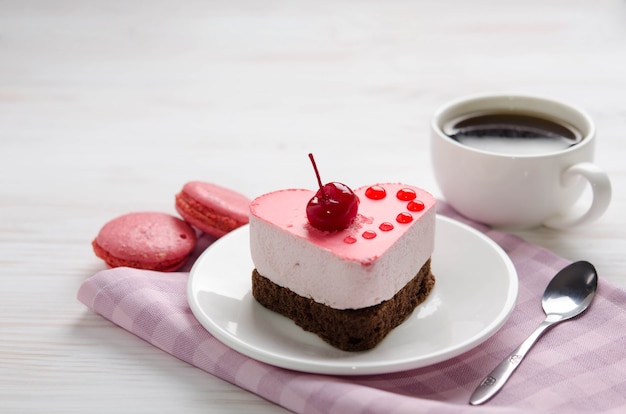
[567, 295]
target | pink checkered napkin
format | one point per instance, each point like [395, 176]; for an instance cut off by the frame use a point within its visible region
[578, 367]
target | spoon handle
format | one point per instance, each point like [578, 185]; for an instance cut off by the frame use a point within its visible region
[496, 379]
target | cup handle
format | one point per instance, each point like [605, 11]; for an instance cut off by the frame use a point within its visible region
[600, 187]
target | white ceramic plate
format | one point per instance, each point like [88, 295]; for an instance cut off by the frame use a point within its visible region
[475, 292]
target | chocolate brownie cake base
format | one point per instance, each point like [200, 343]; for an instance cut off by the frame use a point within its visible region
[346, 329]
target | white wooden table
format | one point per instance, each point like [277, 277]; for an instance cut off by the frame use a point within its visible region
[108, 107]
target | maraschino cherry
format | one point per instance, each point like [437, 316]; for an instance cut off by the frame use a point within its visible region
[333, 207]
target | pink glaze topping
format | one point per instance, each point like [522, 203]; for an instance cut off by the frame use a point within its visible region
[383, 218]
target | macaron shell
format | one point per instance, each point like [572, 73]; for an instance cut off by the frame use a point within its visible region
[145, 240]
[214, 209]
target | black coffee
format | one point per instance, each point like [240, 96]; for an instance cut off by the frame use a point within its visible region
[514, 134]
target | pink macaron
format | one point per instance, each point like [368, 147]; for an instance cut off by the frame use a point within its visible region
[211, 208]
[145, 240]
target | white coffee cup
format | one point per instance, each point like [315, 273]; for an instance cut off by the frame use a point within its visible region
[511, 188]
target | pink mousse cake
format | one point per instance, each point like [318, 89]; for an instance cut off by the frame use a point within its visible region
[350, 287]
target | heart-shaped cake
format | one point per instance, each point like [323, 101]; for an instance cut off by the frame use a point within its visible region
[379, 263]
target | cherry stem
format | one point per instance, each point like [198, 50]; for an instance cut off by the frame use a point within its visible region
[317, 173]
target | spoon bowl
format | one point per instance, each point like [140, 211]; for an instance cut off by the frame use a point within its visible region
[571, 291]
[567, 295]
